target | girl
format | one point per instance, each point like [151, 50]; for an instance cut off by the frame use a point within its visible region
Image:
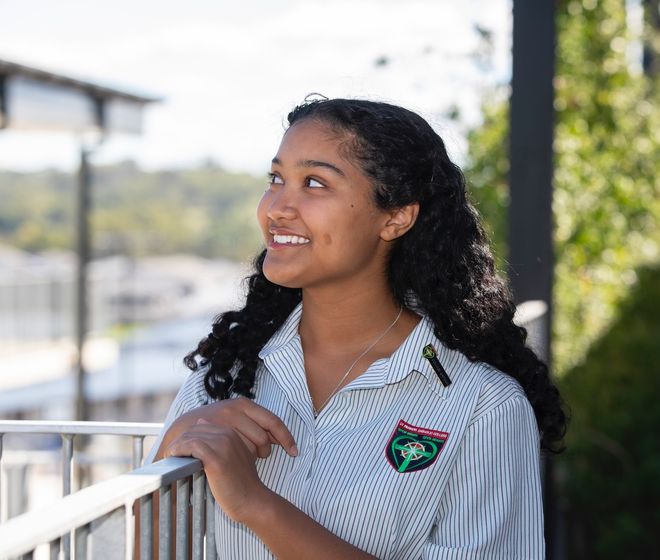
[373, 398]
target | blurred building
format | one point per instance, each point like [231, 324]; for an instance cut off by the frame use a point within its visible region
[145, 315]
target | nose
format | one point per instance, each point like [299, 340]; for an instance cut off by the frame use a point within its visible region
[281, 204]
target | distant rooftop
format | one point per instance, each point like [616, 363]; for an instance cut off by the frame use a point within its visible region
[95, 88]
[36, 99]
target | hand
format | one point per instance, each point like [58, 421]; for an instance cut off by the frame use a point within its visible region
[258, 427]
[228, 464]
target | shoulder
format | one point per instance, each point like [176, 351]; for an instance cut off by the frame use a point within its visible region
[498, 393]
[192, 393]
[486, 388]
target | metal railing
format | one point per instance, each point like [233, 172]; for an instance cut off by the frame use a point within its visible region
[69, 430]
[101, 517]
[99, 521]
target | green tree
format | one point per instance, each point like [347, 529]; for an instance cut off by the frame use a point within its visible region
[606, 329]
[607, 177]
[612, 461]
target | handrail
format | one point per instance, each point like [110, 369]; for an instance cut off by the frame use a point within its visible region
[68, 431]
[80, 428]
[24, 533]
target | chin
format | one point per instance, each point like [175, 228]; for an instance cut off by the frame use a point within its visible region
[284, 280]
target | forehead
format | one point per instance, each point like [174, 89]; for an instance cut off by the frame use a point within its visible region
[314, 139]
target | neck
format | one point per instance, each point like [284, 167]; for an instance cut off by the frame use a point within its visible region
[345, 319]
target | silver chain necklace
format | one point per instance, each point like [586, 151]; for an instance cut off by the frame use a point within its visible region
[318, 410]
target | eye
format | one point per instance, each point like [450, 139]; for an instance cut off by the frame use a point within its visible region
[313, 183]
[275, 179]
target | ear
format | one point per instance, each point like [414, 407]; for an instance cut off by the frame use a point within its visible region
[399, 222]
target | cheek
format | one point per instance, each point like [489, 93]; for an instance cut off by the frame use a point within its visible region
[262, 211]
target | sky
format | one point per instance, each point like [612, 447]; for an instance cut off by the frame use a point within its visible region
[229, 72]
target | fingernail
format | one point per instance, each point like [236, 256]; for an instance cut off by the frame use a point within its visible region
[202, 421]
[293, 450]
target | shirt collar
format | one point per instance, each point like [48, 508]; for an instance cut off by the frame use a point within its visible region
[285, 334]
[405, 360]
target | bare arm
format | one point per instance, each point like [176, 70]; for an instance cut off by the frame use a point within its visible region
[229, 464]
[290, 533]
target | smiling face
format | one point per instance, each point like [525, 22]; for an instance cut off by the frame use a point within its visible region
[318, 216]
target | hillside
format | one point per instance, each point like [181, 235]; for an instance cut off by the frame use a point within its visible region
[204, 211]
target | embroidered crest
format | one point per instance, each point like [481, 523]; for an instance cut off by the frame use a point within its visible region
[412, 448]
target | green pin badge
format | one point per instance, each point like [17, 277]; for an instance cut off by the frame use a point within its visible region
[431, 355]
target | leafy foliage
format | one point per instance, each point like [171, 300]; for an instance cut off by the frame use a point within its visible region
[606, 209]
[613, 460]
[607, 177]
[205, 211]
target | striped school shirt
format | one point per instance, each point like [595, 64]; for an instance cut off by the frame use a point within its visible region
[396, 463]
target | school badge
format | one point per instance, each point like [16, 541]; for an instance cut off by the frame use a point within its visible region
[412, 449]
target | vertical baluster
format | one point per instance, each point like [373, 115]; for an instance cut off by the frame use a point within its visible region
[129, 531]
[165, 522]
[27, 555]
[146, 527]
[67, 463]
[199, 485]
[55, 549]
[210, 524]
[1, 504]
[67, 469]
[82, 534]
[182, 502]
[138, 448]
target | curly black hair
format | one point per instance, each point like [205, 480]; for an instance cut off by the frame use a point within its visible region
[442, 266]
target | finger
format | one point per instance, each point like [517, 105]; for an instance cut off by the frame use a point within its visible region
[262, 439]
[255, 437]
[272, 424]
[208, 432]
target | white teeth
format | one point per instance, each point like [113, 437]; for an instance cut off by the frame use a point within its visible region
[290, 239]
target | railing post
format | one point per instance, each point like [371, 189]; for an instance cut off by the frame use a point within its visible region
[138, 448]
[82, 534]
[210, 523]
[67, 463]
[182, 503]
[165, 522]
[199, 486]
[67, 469]
[129, 532]
[55, 549]
[146, 527]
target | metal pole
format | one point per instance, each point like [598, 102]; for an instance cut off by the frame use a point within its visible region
[83, 254]
[138, 445]
[67, 469]
[531, 257]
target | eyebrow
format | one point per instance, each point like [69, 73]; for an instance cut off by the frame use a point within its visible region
[314, 163]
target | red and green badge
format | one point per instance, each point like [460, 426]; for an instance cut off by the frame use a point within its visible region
[412, 448]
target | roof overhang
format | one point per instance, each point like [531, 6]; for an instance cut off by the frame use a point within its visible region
[34, 99]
